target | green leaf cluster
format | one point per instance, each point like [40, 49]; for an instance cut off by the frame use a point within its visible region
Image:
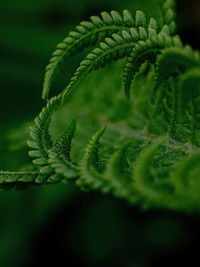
[148, 152]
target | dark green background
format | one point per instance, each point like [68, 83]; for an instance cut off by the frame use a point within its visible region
[59, 223]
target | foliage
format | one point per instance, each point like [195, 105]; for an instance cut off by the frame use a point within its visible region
[149, 151]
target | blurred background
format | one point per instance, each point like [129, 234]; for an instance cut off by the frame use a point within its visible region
[59, 224]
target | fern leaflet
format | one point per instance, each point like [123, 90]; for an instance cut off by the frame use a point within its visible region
[89, 168]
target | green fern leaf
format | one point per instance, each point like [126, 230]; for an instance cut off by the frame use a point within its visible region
[143, 51]
[15, 179]
[41, 141]
[154, 161]
[155, 193]
[113, 48]
[89, 167]
[63, 145]
[189, 102]
[168, 14]
[87, 34]
[172, 60]
[189, 79]
[59, 155]
[116, 176]
[186, 184]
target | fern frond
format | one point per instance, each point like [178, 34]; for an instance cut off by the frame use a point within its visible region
[155, 161]
[117, 46]
[113, 48]
[11, 179]
[89, 166]
[87, 34]
[173, 60]
[63, 144]
[186, 183]
[181, 175]
[142, 177]
[143, 51]
[117, 176]
[189, 85]
[41, 140]
[62, 167]
[59, 155]
[189, 103]
[168, 14]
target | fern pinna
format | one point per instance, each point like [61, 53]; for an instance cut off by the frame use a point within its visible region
[151, 154]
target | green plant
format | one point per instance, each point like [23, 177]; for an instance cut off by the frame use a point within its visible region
[150, 152]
